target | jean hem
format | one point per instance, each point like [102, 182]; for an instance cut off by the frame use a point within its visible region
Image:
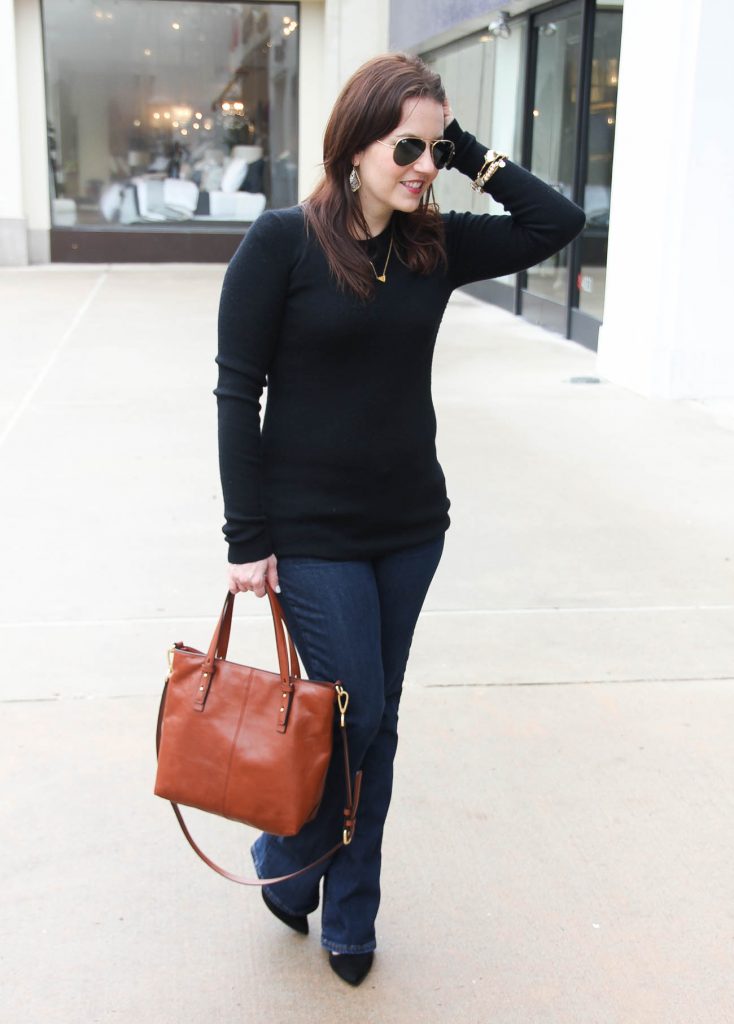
[269, 890]
[341, 947]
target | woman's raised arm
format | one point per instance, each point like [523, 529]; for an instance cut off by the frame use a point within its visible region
[540, 221]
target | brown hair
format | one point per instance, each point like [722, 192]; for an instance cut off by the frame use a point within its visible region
[368, 108]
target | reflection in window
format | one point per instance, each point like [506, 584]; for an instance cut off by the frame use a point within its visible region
[553, 138]
[482, 76]
[165, 113]
[602, 122]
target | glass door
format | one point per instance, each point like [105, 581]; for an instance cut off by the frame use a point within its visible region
[592, 247]
[554, 77]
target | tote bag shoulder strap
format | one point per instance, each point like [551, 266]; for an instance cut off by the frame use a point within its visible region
[289, 669]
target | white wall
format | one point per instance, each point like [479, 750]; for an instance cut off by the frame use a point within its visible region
[667, 329]
[13, 240]
[33, 141]
[24, 196]
[355, 31]
[336, 37]
[311, 115]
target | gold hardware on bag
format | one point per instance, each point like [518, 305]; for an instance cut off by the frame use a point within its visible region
[342, 699]
[347, 836]
[170, 658]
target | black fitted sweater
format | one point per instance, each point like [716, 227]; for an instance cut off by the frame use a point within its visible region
[345, 466]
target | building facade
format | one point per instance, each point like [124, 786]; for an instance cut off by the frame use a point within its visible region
[157, 130]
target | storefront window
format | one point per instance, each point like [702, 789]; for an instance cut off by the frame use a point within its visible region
[164, 113]
[553, 148]
[482, 76]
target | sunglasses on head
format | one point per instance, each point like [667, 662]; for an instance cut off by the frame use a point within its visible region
[408, 150]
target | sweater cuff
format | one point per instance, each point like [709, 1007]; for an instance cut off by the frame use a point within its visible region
[254, 550]
[469, 154]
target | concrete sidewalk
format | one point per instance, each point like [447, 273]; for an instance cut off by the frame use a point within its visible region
[560, 845]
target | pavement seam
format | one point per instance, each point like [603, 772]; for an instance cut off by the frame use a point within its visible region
[54, 355]
[408, 686]
[427, 612]
[579, 682]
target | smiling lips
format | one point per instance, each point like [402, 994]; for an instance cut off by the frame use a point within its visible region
[414, 187]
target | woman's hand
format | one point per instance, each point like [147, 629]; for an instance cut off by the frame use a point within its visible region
[448, 114]
[252, 576]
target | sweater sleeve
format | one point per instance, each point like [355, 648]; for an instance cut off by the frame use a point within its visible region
[540, 221]
[250, 310]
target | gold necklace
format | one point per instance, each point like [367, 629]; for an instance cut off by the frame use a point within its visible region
[383, 276]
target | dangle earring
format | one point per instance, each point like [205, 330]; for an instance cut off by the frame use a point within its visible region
[354, 180]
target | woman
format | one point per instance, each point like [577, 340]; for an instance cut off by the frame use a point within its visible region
[339, 503]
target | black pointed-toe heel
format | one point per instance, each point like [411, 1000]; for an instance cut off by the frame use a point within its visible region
[351, 967]
[298, 922]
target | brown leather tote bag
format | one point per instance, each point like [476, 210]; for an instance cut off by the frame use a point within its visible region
[248, 744]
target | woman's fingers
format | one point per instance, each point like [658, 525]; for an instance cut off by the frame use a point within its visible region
[252, 575]
[272, 573]
[448, 114]
[252, 581]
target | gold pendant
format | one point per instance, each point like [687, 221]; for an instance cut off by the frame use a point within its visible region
[382, 278]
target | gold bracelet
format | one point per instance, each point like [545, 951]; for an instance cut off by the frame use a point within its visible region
[492, 163]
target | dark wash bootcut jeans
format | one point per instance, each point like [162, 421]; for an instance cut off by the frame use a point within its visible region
[351, 621]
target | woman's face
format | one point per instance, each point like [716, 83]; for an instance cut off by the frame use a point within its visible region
[385, 185]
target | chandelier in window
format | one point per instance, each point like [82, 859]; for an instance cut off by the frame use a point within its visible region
[231, 100]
